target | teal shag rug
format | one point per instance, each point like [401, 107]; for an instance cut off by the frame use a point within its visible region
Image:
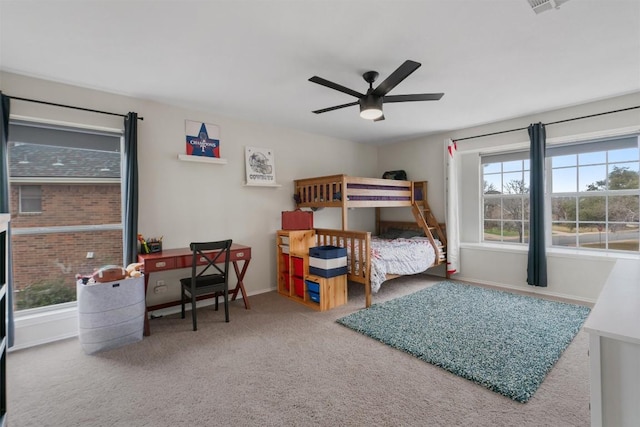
[502, 341]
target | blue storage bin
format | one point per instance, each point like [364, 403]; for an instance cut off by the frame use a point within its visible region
[327, 252]
[315, 297]
[313, 286]
[327, 261]
[333, 272]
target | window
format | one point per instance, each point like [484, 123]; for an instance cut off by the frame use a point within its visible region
[71, 177]
[593, 195]
[506, 199]
[30, 199]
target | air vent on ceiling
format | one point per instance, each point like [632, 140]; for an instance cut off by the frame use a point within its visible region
[540, 6]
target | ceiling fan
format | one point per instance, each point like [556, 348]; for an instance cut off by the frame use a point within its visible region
[371, 102]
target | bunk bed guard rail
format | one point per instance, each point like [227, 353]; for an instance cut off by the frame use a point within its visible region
[344, 190]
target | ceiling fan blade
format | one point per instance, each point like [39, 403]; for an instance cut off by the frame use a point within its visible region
[401, 73]
[379, 118]
[414, 97]
[336, 86]
[324, 110]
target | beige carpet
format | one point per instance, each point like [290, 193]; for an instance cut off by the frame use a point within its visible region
[278, 364]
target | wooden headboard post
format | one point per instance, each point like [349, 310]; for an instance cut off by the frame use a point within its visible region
[413, 192]
[345, 198]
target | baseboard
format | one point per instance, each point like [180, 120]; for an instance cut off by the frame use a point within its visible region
[203, 303]
[531, 290]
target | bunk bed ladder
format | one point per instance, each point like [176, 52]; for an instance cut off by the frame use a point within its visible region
[425, 219]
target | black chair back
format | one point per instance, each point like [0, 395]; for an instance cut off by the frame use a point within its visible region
[211, 254]
[208, 278]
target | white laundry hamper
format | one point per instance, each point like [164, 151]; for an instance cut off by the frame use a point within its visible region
[110, 314]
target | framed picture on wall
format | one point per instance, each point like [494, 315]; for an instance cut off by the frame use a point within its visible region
[260, 166]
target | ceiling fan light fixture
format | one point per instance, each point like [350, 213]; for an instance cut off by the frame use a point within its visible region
[371, 102]
[371, 107]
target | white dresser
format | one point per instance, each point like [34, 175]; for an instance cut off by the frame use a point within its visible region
[614, 348]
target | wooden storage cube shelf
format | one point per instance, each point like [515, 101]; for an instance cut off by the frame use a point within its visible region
[333, 291]
[284, 283]
[298, 241]
[292, 261]
[292, 252]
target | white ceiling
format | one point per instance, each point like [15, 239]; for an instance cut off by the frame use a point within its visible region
[493, 59]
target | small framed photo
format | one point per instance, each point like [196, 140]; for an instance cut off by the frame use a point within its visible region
[260, 166]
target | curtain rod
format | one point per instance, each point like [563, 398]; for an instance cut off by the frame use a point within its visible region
[69, 106]
[548, 124]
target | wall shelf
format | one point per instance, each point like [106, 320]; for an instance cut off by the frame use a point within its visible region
[202, 159]
[261, 185]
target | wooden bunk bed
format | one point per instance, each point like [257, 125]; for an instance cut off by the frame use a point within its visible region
[343, 191]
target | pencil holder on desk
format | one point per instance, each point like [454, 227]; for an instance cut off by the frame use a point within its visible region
[150, 247]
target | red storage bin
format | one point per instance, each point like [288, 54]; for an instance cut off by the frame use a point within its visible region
[285, 262]
[298, 266]
[297, 220]
[298, 285]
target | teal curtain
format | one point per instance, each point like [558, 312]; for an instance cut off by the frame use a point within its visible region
[537, 260]
[5, 196]
[130, 196]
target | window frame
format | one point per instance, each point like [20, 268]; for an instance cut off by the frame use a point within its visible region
[590, 145]
[70, 136]
[501, 196]
[22, 197]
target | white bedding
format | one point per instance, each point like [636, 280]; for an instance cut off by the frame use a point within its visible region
[399, 256]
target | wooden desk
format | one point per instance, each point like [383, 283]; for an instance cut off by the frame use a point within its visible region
[173, 259]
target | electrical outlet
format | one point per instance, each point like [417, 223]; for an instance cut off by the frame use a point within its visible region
[89, 255]
[160, 287]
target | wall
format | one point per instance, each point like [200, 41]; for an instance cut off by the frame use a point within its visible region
[570, 275]
[185, 201]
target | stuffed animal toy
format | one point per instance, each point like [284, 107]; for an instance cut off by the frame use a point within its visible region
[133, 269]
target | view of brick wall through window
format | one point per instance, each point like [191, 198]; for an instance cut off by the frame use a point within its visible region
[79, 195]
